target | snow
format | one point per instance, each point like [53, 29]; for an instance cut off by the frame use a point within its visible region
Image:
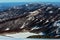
[20, 35]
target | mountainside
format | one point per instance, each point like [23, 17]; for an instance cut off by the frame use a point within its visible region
[33, 18]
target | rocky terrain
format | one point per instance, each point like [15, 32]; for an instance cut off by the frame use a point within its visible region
[34, 18]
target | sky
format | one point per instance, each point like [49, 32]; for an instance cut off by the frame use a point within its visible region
[29, 0]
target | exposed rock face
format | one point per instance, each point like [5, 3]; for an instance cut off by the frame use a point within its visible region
[34, 18]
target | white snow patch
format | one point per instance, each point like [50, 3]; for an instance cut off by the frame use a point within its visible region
[26, 4]
[47, 21]
[41, 33]
[7, 29]
[50, 11]
[22, 26]
[35, 28]
[21, 35]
